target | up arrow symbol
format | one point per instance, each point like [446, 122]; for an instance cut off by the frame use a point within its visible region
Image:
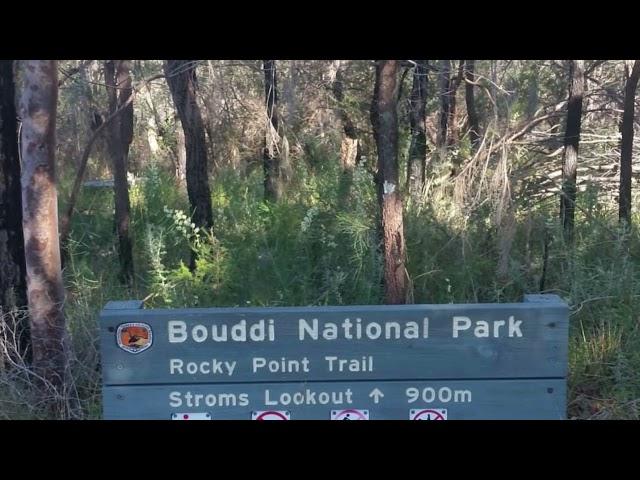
[376, 394]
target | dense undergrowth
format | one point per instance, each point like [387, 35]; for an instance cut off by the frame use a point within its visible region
[319, 247]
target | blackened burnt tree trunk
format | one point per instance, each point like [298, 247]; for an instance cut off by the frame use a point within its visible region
[472, 114]
[118, 148]
[13, 288]
[40, 222]
[182, 81]
[384, 118]
[271, 155]
[571, 143]
[626, 143]
[12, 279]
[181, 77]
[417, 119]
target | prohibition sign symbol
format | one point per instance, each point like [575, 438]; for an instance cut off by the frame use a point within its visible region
[428, 414]
[350, 414]
[271, 415]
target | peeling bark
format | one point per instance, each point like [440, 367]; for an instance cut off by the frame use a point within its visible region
[180, 162]
[40, 222]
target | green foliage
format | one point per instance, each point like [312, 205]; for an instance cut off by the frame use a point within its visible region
[303, 251]
[320, 246]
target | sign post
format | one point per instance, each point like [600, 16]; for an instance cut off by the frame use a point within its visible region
[441, 362]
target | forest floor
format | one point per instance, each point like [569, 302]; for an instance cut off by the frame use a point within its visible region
[319, 247]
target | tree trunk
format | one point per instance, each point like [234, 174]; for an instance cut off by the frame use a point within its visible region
[453, 136]
[13, 287]
[118, 148]
[291, 93]
[123, 77]
[152, 123]
[474, 123]
[181, 155]
[626, 144]
[181, 77]
[208, 123]
[417, 118]
[571, 143]
[384, 118]
[65, 220]
[271, 156]
[493, 89]
[40, 222]
[445, 99]
[349, 145]
[533, 94]
[12, 279]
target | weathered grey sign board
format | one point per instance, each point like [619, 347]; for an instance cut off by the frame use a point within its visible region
[472, 361]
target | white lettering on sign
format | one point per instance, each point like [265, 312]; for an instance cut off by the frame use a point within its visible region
[348, 329]
[483, 329]
[363, 364]
[442, 395]
[308, 397]
[283, 365]
[260, 331]
[177, 366]
[354, 330]
[190, 399]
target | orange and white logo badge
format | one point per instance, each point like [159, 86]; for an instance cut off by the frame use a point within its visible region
[134, 337]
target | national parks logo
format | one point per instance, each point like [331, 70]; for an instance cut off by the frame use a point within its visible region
[134, 337]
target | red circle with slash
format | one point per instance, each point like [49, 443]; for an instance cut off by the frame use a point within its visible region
[435, 413]
[270, 414]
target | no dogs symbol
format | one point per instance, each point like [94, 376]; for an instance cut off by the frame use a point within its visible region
[429, 414]
[350, 414]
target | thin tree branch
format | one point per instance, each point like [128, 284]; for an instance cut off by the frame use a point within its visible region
[65, 222]
[68, 74]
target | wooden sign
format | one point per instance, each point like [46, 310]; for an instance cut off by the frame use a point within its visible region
[484, 361]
